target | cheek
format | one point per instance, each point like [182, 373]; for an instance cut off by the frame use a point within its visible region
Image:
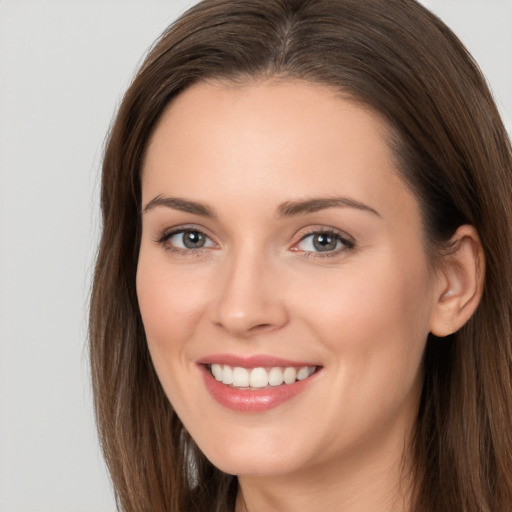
[374, 322]
[367, 297]
[170, 300]
[374, 328]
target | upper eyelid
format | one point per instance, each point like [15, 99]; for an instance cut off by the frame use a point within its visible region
[169, 232]
[164, 241]
[347, 240]
[328, 230]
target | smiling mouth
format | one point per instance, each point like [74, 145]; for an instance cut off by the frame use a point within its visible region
[259, 377]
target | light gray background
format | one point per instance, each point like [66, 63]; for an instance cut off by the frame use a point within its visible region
[63, 68]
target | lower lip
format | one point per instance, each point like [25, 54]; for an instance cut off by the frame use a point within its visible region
[259, 400]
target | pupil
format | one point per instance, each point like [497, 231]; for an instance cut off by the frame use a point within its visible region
[324, 242]
[193, 239]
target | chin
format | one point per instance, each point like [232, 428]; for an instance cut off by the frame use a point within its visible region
[252, 460]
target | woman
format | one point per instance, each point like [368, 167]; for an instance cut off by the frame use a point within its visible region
[303, 292]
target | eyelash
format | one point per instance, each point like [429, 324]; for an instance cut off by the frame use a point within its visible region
[164, 241]
[347, 242]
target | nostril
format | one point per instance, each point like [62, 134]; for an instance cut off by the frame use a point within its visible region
[262, 328]
[243, 330]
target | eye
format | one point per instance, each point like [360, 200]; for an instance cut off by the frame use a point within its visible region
[324, 242]
[186, 240]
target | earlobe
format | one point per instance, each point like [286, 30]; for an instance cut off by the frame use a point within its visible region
[460, 283]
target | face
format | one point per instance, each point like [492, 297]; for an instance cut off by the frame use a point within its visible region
[281, 252]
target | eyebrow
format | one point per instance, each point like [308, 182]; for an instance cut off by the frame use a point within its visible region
[183, 205]
[287, 209]
[292, 208]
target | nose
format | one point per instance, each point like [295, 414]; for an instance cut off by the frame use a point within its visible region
[250, 298]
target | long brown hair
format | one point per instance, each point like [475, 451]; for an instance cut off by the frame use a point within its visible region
[452, 150]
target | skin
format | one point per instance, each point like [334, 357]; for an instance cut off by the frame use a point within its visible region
[259, 286]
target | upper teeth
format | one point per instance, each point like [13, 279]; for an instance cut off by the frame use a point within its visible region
[259, 377]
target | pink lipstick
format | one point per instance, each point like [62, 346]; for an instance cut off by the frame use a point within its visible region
[256, 383]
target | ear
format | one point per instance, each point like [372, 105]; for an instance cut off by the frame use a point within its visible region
[460, 282]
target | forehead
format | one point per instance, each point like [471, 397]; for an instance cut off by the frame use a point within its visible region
[270, 138]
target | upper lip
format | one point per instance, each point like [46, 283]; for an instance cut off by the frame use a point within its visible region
[255, 361]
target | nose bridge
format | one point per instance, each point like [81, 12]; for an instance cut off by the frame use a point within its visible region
[249, 299]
